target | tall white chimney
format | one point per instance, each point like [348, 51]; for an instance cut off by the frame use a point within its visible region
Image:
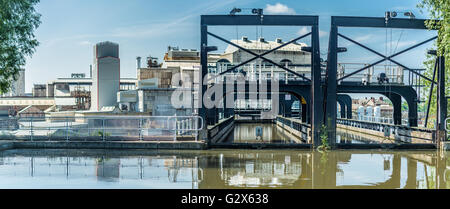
[138, 62]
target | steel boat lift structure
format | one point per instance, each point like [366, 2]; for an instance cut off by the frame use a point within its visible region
[324, 93]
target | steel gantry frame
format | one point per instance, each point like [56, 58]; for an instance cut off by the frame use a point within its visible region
[372, 22]
[268, 20]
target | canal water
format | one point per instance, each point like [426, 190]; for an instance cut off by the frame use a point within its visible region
[298, 169]
[271, 133]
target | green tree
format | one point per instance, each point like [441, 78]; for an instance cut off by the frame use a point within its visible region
[438, 10]
[18, 20]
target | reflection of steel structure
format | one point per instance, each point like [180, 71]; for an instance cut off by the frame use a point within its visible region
[267, 20]
[262, 170]
[177, 166]
[111, 169]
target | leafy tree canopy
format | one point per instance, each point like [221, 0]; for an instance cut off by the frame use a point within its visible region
[438, 10]
[18, 20]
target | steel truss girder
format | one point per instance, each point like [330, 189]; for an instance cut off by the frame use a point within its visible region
[256, 56]
[378, 22]
[386, 58]
[266, 20]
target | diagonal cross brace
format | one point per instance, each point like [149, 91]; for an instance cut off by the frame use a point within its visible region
[261, 55]
[386, 58]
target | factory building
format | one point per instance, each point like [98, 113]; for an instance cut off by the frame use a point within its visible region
[39, 90]
[74, 93]
[105, 75]
[155, 85]
[185, 58]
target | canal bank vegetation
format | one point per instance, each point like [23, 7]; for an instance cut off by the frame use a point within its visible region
[325, 146]
[437, 10]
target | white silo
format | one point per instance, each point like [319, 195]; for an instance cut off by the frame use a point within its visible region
[105, 76]
[138, 62]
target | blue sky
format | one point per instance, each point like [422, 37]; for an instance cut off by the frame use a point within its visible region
[70, 28]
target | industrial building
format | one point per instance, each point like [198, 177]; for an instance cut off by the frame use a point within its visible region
[39, 90]
[78, 92]
[155, 84]
[151, 91]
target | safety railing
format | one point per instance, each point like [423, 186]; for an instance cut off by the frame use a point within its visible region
[391, 73]
[257, 72]
[303, 128]
[101, 128]
[389, 129]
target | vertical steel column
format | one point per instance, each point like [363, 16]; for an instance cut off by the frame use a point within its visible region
[224, 97]
[202, 88]
[331, 100]
[349, 107]
[281, 104]
[288, 107]
[441, 102]
[304, 113]
[397, 105]
[316, 93]
[343, 109]
[431, 92]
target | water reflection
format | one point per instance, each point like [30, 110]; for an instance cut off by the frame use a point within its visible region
[271, 133]
[223, 169]
[348, 137]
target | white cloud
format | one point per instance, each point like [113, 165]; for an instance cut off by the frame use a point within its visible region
[303, 30]
[279, 9]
